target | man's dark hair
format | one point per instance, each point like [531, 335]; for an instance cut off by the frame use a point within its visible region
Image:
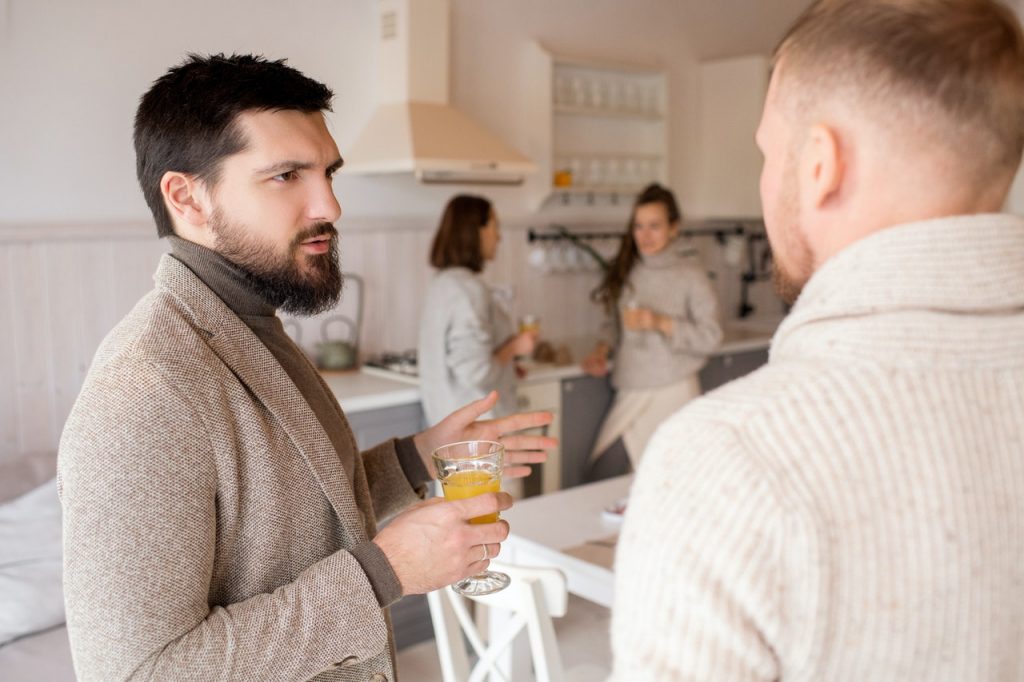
[187, 121]
[457, 242]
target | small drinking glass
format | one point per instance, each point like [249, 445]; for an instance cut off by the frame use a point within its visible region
[641, 336]
[529, 323]
[465, 470]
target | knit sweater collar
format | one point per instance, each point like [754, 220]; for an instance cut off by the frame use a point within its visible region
[230, 282]
[960, 265]
[662, 259]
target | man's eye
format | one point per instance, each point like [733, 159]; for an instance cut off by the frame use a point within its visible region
[285, 177]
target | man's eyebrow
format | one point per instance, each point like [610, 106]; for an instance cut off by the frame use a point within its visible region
[285, 166]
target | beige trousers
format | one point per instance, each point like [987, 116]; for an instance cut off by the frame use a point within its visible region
[636, 414]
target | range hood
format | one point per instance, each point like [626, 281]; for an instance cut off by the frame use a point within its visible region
[414, 129]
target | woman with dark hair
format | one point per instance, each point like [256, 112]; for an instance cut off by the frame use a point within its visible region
[467, 344]
[663, 322]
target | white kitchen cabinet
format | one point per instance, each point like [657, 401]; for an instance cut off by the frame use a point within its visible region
[546, 396]
[602, 127]
[731, 96]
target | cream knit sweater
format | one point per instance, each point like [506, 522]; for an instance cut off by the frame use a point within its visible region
[855, 509]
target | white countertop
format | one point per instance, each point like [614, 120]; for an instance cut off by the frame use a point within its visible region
[361, 390]
[746, 335]
[370, 388]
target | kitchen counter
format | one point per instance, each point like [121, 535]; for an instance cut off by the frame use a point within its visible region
[739, 336]
[743, 335]
[371, 388]
[366, 389]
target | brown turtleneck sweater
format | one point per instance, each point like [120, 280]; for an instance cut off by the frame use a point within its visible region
[231, 284]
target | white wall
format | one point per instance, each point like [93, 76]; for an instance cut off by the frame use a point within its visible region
[71, 73]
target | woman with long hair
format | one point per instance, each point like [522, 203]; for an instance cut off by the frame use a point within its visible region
[663, 321]
[467, 344]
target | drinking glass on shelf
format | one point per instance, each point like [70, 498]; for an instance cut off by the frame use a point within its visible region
[465, 470]
[616, 95]
[598, 93]
[576, 171]
[632, 98]
[563, 90]
[577, 94]
[595, 173]
[630, 174]
[650, 100]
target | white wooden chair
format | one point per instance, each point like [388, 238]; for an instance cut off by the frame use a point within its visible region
[534, 596]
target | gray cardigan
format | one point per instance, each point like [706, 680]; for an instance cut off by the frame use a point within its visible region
[207, 516]
[461, 327]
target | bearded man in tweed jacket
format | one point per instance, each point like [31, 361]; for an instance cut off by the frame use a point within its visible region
[219, 520]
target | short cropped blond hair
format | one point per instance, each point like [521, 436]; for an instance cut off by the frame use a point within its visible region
[957, 65]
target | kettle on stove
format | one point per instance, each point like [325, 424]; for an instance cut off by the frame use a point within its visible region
[341, 353]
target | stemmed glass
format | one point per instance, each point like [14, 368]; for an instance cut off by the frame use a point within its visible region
[465, 470]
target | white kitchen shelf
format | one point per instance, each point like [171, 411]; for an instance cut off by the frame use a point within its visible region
[603, 124]
[567, 110]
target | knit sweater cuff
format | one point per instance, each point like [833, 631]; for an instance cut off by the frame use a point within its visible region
[385, 584]
[412, 465]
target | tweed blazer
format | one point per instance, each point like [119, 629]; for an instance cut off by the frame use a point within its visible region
[207, 516]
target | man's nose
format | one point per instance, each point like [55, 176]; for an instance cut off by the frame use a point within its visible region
[323, 205]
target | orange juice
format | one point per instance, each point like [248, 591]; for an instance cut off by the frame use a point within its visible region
[529, 323]
[465, 484]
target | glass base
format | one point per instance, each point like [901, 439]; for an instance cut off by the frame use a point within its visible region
[483, 583]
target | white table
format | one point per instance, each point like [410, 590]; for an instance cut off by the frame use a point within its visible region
[542, 527]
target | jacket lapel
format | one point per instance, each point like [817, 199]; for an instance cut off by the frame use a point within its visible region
[257, 368]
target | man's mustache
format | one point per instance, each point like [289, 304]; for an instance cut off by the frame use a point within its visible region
[317, 230]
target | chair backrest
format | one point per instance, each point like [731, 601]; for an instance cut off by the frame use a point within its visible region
[532, 598]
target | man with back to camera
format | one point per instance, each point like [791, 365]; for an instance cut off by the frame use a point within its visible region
[855, 509]
[219, 520]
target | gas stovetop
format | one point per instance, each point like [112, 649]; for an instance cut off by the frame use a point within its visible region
[403, 363]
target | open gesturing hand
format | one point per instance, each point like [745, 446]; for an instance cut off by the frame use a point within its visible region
[465, 424]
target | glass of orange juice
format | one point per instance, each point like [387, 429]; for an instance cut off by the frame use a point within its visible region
[529, 323]
[468, 469]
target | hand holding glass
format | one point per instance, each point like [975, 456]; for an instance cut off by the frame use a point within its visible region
[465, 470]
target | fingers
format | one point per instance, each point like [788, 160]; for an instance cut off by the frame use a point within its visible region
[468, 414]
[520, 421]
[482, 505]
[526, 457]
[486, 533]
[478, 560]
[516, 472]
[524, 442]
[516, 463]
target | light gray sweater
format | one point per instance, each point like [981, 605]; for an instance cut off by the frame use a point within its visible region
[855, 509]
[461, 327]
[674, 285]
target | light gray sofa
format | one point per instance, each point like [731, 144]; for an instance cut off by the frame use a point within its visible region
[45, 655]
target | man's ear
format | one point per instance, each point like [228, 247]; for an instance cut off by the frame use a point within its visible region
[822, 167]
[186, 200]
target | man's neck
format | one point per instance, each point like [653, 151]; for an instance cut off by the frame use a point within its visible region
[227, 280]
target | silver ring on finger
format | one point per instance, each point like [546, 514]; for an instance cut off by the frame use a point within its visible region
[487, 555]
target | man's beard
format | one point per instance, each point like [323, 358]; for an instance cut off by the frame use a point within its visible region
[787, 287]
[279, 278]
[789, 283]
